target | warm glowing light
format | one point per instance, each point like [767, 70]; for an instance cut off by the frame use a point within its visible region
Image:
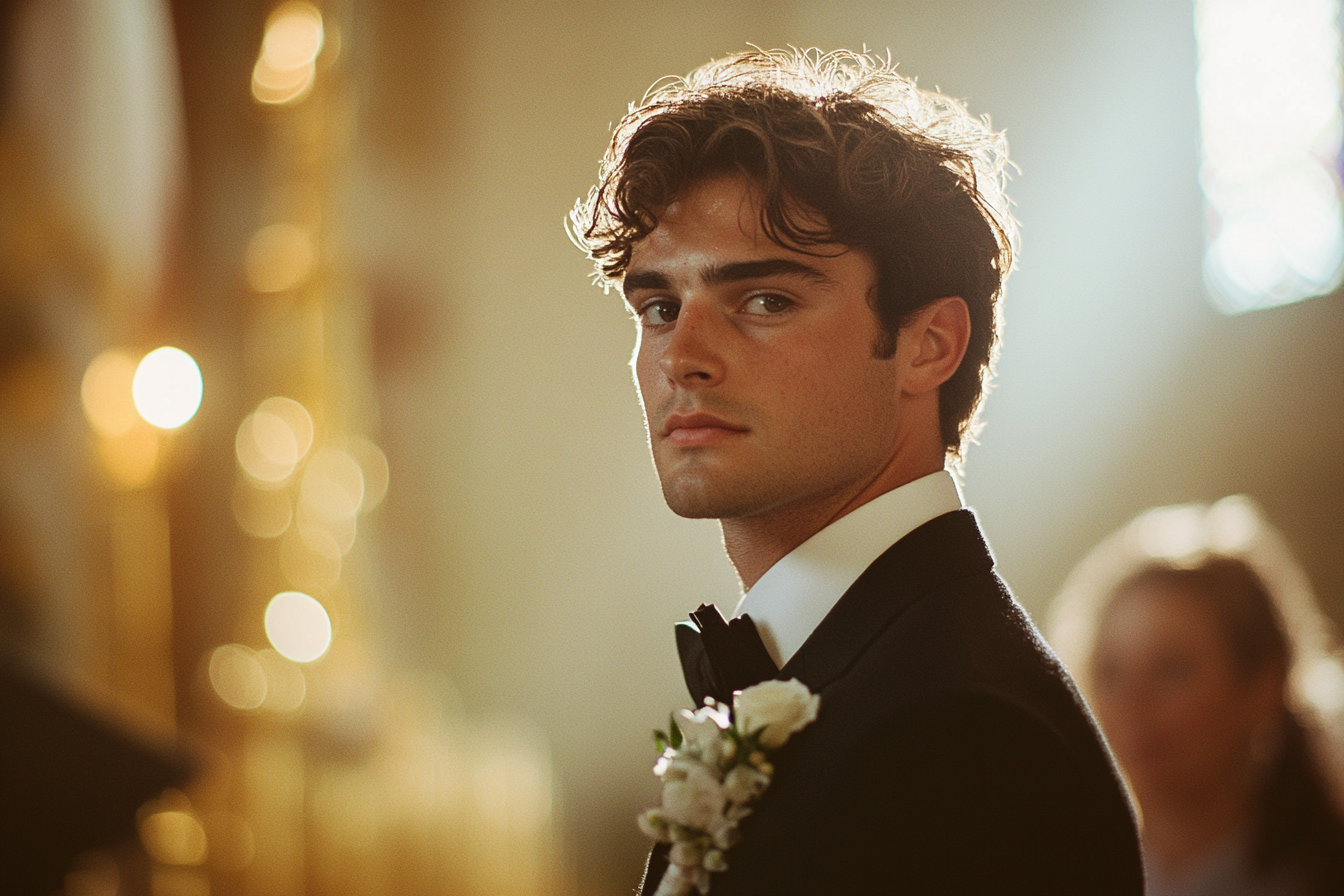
[174, 838]
[373, 463]
[298, 626]
[167, 387]
[106, 393]
[295, 416]
[130, 459]
[287, 65]
[304, 567]
[332, 485]
[262, 513]
[279, 257]
[275, 87]
[331, 538]
[237, 676]
[293, 36]
[330, 495]
[1269, 96]
[273, 439]
[285, 685]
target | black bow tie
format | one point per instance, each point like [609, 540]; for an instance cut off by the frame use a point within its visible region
[720, 657]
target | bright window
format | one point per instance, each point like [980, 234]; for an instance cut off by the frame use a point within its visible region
[1269, 106]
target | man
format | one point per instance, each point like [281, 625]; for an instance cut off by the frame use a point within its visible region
[814, 250]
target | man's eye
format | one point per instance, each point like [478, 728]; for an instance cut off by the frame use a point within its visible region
[767, 303]
[658, 313]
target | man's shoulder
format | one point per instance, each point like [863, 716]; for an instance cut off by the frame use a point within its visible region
[939, 692]
[964, 663]
[950, 741]
[961, 649]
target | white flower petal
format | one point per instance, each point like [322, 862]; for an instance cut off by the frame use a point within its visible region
[688, 854]
[714, 861]
[744, 784]
[777, 709]
[654, 825]
[697, 801]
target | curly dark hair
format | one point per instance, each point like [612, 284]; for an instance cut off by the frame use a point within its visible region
[843, 150]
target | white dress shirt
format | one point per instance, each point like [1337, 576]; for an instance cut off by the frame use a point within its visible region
[794, 595]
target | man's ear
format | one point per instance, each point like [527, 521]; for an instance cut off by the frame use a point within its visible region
[931, 346]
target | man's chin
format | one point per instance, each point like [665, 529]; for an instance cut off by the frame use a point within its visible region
[705, 501]
[691, 507]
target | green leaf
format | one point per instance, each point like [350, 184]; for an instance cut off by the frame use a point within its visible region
[660, 741]
[676, 740]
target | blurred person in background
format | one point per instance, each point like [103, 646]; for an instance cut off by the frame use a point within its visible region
[1195, 635]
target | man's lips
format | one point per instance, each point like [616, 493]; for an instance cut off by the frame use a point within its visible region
[688, 430]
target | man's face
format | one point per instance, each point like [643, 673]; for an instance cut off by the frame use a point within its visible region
[755, 363]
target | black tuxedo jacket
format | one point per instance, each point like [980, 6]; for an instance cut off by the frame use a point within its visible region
[952, 753]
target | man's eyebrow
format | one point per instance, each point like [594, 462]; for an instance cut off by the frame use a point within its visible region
[768, 267]
[644, 280]
[732, 272]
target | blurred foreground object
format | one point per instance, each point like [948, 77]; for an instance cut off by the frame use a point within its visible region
[1195, 636]
[325, 765]
[69, 780]
[91, 168]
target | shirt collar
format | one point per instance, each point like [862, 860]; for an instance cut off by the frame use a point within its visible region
[795, 594]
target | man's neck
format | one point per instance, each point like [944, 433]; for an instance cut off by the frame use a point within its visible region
[756, 543]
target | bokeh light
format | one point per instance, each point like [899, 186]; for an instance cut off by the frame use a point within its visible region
[293, 36]
[287, 65]
[262, 513]
[332, 538]
[237, 676]
[1269, 106]
[330, 495]
[275, 87]
[373, 463]
[306, 568]
[173, 837]
[333, 485]
[273, 439]
[286, 686]
[106, 393]
[167, 387]
[279, 257]
[298, 626]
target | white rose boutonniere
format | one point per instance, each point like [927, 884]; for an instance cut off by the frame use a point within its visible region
[714, 765]
[775, 710]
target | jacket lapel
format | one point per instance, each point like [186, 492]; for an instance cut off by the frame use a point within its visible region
[947, 547]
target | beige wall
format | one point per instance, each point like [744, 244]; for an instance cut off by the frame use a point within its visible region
[527, 556]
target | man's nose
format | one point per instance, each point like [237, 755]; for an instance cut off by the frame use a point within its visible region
[693, 357]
